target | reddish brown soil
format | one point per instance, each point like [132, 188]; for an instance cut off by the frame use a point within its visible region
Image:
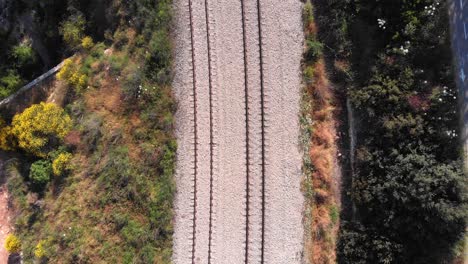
[5, 215]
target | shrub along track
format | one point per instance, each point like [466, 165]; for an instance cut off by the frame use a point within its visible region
[231, 205]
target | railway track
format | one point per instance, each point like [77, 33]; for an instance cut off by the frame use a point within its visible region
[195, 125]
[262, 109]
[210, 88]
[247, 134]
[248, 138]
[229, 198]
[195, 131]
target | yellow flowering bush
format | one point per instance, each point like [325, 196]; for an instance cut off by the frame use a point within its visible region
[78, 80]
[71, 74]
[61, 163]
[40, 251]
[64, 72]
[40, 126]
[87, 42]
[6, 137]
[12, 244]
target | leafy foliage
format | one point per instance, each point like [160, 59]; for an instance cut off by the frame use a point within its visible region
[359, 245]
[40, 172]
[72, 30]
[23, 53]
[409, 187]
[314, 50]
[9, 83]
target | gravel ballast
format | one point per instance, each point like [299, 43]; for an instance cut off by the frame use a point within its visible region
[243, 167]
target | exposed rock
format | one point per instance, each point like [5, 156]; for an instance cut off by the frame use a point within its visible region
[5, 16]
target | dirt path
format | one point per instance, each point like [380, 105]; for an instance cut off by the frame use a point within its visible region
[5, 213]
[58, 93]
[4, 223]
[239, 167]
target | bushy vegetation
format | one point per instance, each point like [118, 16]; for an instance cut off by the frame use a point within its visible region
[107, 185]
[23, 54]
[40, 251]
[38, 133]
[87, 43]
[10, 83]
[12, 244]
[40, 172]
[61, 163]
[72, 30]
[70, 73]
[409, 187]
[39, 129]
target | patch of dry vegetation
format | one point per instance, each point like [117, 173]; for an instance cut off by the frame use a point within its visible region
[324, 208]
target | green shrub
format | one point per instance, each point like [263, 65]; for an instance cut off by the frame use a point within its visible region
[97, 51]
[9, 83]
[23, 54]
[72, 31]
[117, 63]
[359, 245]
[334, 214]
[91, 132]
[309, 72]
[158, 63]
[120, 39]
[40, 173]
[308, 13]
[314, 50]
[133, 83]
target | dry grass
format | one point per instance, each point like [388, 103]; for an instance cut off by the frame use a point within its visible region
[322, 152]
[322, 155]
[108, 102]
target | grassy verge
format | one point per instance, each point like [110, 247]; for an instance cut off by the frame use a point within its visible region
[318, 126]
